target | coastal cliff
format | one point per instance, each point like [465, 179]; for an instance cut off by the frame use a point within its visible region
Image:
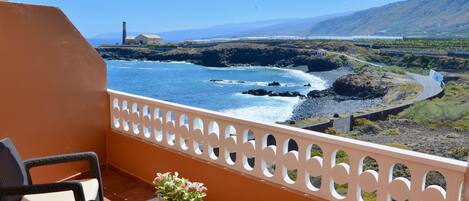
[231, 54]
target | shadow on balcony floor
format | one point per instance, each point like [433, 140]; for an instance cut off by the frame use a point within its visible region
[120, 186]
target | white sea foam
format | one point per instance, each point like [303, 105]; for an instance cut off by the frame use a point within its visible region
[242, 82]
[316, 82]
[268, 109]
[140, 68]
[179, 62]
[136, 61]
[279, 110]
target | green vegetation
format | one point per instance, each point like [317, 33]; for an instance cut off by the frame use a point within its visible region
[459, 152]
[341, 189]
[367, 126]
[397, 145]
[333, 131]
[450, 111]
[420, 63]
[339, 60]
[393, 131]
[402, 93]
[162, 45]
[305, 122]
[369, 196]
[292, 174]
[358, 68]
[442, 44]
[436, 18]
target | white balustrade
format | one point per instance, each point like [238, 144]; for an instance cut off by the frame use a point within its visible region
[271, 152]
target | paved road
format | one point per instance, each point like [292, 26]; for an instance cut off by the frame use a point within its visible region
[357, 59]
[430, 86]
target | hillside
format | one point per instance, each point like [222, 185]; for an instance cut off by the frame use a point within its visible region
[294, 27]
[409, 18]
[220, 30]
[275, 27]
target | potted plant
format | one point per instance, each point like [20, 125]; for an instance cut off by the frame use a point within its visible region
[170, 187]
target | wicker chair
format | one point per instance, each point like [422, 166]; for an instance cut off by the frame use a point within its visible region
[16, 183]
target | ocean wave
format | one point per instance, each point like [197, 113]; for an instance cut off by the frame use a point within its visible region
[179, 62]
[141, 68]
[316, 82]
[249, 83]
[257, 108]
[133, 61]
[266, 113]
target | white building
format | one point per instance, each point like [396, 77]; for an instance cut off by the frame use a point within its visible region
[145, 39]
[130, 40]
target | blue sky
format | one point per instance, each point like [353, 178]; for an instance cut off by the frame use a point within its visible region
[93, 17]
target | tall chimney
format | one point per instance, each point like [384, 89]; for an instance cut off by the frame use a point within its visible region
[124, 33]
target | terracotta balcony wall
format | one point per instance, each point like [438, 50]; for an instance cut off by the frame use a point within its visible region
[53, 88]
[212, 138]
[55, 100]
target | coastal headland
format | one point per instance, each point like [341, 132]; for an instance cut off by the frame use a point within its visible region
[231, 54]
[360, 78]
[365, 89]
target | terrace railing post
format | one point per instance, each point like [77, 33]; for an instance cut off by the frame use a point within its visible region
[466, 182]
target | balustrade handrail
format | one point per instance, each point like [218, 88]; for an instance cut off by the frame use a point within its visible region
[419, 163]
[352, 143]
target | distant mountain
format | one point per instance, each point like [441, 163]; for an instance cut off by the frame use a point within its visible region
[418, 18]
[189, 34]
[276, 27]
[220, 30]
[424, 18]
[293, 27]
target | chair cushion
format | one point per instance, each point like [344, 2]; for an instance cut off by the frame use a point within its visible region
[90, 188]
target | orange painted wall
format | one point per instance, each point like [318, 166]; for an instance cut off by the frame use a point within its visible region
[143, 160]
[53, 87]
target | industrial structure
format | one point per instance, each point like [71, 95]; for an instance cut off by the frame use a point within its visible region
[141, 39]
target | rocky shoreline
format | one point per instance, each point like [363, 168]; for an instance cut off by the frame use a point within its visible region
[358, 86]
[348, 93]
[357, 91]
[263, 92]
[231, 54]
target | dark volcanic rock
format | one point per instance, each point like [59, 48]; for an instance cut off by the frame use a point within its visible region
[321, 93]
[287, 94]
[263, 92]
[354, 86]
[274, 83]
[307, 85]
[257, 92]
[361, 85]
[230, 54]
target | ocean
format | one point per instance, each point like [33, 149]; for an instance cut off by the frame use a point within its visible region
[190, 84]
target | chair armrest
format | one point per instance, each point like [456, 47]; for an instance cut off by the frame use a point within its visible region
[76, 187]
[91, 157]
